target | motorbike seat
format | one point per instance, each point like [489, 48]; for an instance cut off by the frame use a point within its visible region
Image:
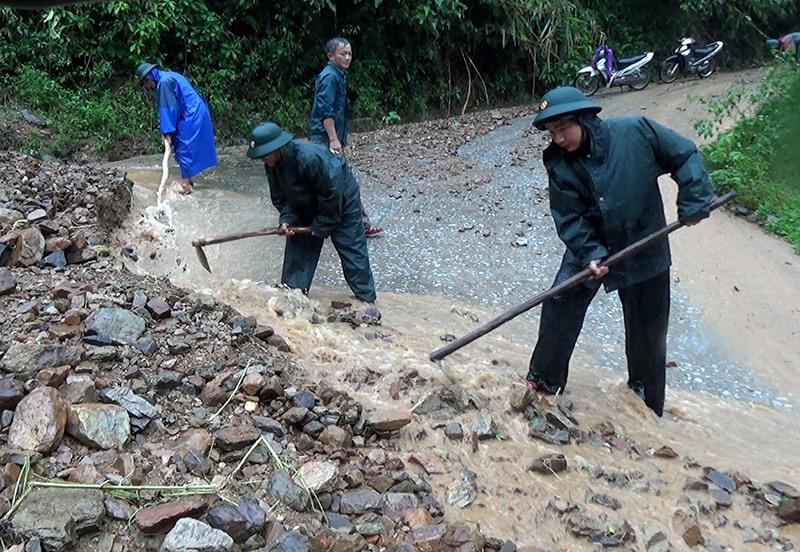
[629, 61]
[699, 52]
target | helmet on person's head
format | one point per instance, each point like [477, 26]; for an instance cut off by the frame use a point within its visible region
[266, 138]
[143, 70]
[562, 101]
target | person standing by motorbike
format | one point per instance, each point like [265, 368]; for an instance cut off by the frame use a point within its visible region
[786, 43]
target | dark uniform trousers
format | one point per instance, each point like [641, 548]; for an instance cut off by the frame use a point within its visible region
[302, 251]
[645, 307]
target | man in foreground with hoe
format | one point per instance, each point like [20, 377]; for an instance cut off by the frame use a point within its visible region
[312, 186]
[604, 195]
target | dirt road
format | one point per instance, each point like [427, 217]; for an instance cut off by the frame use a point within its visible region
[746, 282]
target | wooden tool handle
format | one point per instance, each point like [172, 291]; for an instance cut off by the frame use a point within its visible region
[581, 276]
[200, 242]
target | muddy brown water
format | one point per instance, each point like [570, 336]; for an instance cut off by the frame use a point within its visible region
[735, 324]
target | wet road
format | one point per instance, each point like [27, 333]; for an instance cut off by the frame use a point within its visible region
[493, 244]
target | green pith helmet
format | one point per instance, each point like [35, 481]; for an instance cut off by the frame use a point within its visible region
[266, 138]
[143, 70]
[562, 101]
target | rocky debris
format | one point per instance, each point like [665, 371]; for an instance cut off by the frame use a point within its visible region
[790, 510]
[7, 281]
[163, 517]
[120, 326]
[550, 463]
[462, 492]
[240, 522]
[24, 360]
[58, 516]
[191, 535]
[31, 117]
[687, 528]
[106, 344]
[39, 421]
[655, 539]
[104, 426]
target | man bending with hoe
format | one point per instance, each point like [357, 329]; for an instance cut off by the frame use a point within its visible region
[310, 185]
[604, 196]
[184, 120]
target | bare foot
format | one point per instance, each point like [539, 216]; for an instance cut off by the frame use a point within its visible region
[186, 186]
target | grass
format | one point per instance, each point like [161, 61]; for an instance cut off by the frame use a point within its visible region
[758, 155]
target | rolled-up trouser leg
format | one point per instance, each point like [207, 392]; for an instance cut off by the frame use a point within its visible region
[350, 242]
[559, 328]
[645, 307]
[300, 258]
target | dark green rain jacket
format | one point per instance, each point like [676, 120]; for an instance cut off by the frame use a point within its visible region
[310, 186]
[605, 197]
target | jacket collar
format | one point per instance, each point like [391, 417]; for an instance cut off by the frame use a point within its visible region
[338, 71]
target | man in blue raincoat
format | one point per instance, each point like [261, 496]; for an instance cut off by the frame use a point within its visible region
[604, 196]
[310, 185]
[184, 120]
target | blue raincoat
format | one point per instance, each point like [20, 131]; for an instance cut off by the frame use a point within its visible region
[183, 112]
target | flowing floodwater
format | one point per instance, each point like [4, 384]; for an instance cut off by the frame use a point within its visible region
[447, 263]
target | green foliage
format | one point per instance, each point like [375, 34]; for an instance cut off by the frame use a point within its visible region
[758, 155]
[102, 117]
[391, 118]
[256, 61]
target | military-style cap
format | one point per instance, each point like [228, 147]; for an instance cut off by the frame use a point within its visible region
[144, 69]
[266, 138]
[562, 101]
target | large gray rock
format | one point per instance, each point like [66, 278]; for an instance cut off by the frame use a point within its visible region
[7, 281]
[360, 501]
[26, 359]
[240, 522]
[281, 487]
[120, 325]
[317, 476]
[105, 426]
[58, 516]
[291, 541]
[29, 247]
[39, 421]
[130, 401]
[191, 535]
[11, 392]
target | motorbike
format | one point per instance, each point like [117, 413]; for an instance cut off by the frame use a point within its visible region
[632, 72]
[688, 59]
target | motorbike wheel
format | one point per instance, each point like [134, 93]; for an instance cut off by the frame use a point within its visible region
[706, 69]
[669, 72]
[642, 79]
[588, 84]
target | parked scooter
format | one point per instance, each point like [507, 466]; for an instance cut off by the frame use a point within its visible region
[606, 72]
[687, 58]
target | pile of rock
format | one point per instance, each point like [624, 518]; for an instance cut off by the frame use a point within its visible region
[52, 212]
[120, 391]
[709, 494]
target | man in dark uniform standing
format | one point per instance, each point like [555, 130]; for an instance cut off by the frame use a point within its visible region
[330, 110]
[604, 196]
[312, 186]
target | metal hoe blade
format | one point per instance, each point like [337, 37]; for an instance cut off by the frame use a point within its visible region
[201, 256]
